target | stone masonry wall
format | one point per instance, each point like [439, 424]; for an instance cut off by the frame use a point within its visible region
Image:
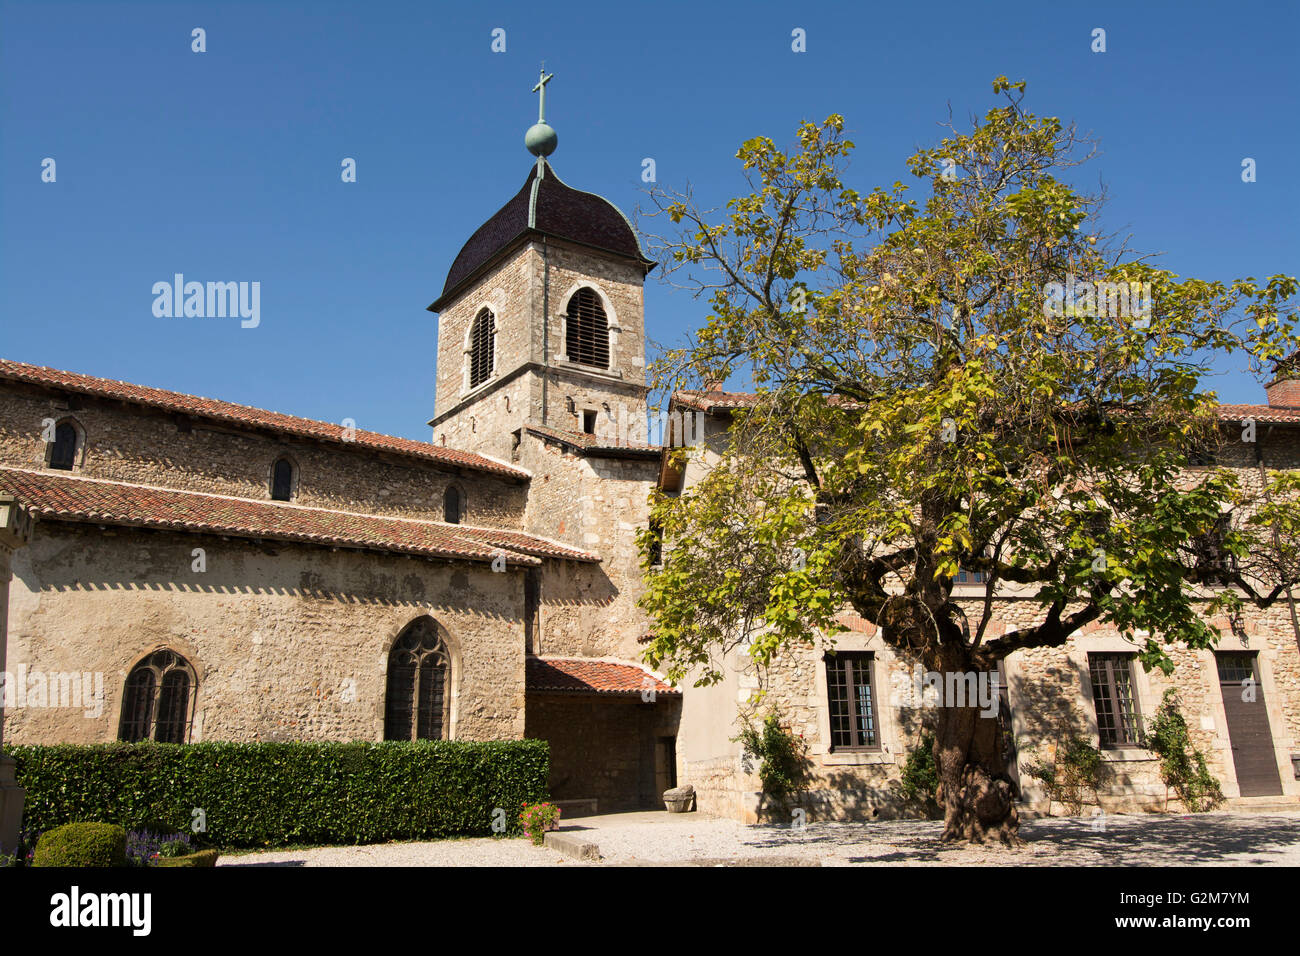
[598, 504]
[288, 642]
[134, 444]
[481, 418]
[603, 747]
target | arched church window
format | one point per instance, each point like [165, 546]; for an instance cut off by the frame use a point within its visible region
[419, 668]
[158, 700]
[482, 345]
[586, 337]
[63, 450]
[282, 480]
[453, 505]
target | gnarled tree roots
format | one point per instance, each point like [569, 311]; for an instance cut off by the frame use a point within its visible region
[980, 809]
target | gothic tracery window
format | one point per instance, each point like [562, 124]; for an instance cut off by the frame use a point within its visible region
[482, 347]
[586, 335]
[417, 703]
[158, 699]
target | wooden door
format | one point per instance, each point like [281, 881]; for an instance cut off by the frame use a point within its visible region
[1248, 730]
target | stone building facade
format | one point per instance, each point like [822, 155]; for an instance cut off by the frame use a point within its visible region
[197, 570]
[1250, 734]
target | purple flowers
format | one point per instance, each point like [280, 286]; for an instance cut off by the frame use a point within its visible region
[144, 847]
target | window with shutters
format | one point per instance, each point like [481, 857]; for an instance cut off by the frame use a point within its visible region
[63, 450]
[482, 347]
[852, 701]
[1114, 699]
[586, 336]
[158, 700]
[417, 703]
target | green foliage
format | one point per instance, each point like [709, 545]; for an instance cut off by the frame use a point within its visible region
[537, 818]
[783, 758]
[201, 858]
[1075, 772]
[82, 844]
[1182, 765]
[276, 794]
[173, 848]
[921, 409]
[920, 772]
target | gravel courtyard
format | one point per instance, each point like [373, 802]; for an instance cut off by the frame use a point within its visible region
[657, 838]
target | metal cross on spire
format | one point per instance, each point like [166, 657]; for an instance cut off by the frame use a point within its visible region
[541, 89]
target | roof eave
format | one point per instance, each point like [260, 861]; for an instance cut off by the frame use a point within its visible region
[448, 295]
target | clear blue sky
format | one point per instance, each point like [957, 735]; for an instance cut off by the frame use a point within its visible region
[225, 165]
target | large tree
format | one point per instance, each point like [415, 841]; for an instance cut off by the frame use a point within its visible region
[929, 401]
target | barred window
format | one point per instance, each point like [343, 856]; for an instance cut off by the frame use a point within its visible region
[1114, 700]
[282, 480]
[482, 347]
[586, 337]
[417, 702]
[852, 701]
[63, 450]
[158, 700]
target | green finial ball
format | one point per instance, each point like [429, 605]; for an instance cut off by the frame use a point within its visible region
[541, 140]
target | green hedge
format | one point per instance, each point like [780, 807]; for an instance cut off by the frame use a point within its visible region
[274, 794]
[82, 844]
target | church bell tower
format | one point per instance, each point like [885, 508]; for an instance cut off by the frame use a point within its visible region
[541, 319]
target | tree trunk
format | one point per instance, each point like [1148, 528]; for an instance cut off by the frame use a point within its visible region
[977, 795]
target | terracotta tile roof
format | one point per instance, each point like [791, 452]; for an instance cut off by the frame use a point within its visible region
[1261, 413]
[216, 410]
[584, 676]
[725, 401]
[594, 445]
[715, 400]
[74, 498]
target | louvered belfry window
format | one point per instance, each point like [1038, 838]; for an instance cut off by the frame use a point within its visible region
[482, 343]
[586, 337]
[418, 668]
[158, 700]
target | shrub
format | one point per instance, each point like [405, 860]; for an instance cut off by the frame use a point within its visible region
[202, 858]
[144, 847]
[783, 761]
[277, 794]
[82, 844]
[1076, 771]
[537, 818]
[1182, 765]
[920, 775]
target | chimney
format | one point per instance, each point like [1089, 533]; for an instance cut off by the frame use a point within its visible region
[715, 385]
[1284, 390]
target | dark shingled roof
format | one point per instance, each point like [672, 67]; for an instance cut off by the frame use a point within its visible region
[545, 206]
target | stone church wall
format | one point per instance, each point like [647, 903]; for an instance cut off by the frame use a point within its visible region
[598, 504]
[288, 642]
[513, 290]
[134, 444]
